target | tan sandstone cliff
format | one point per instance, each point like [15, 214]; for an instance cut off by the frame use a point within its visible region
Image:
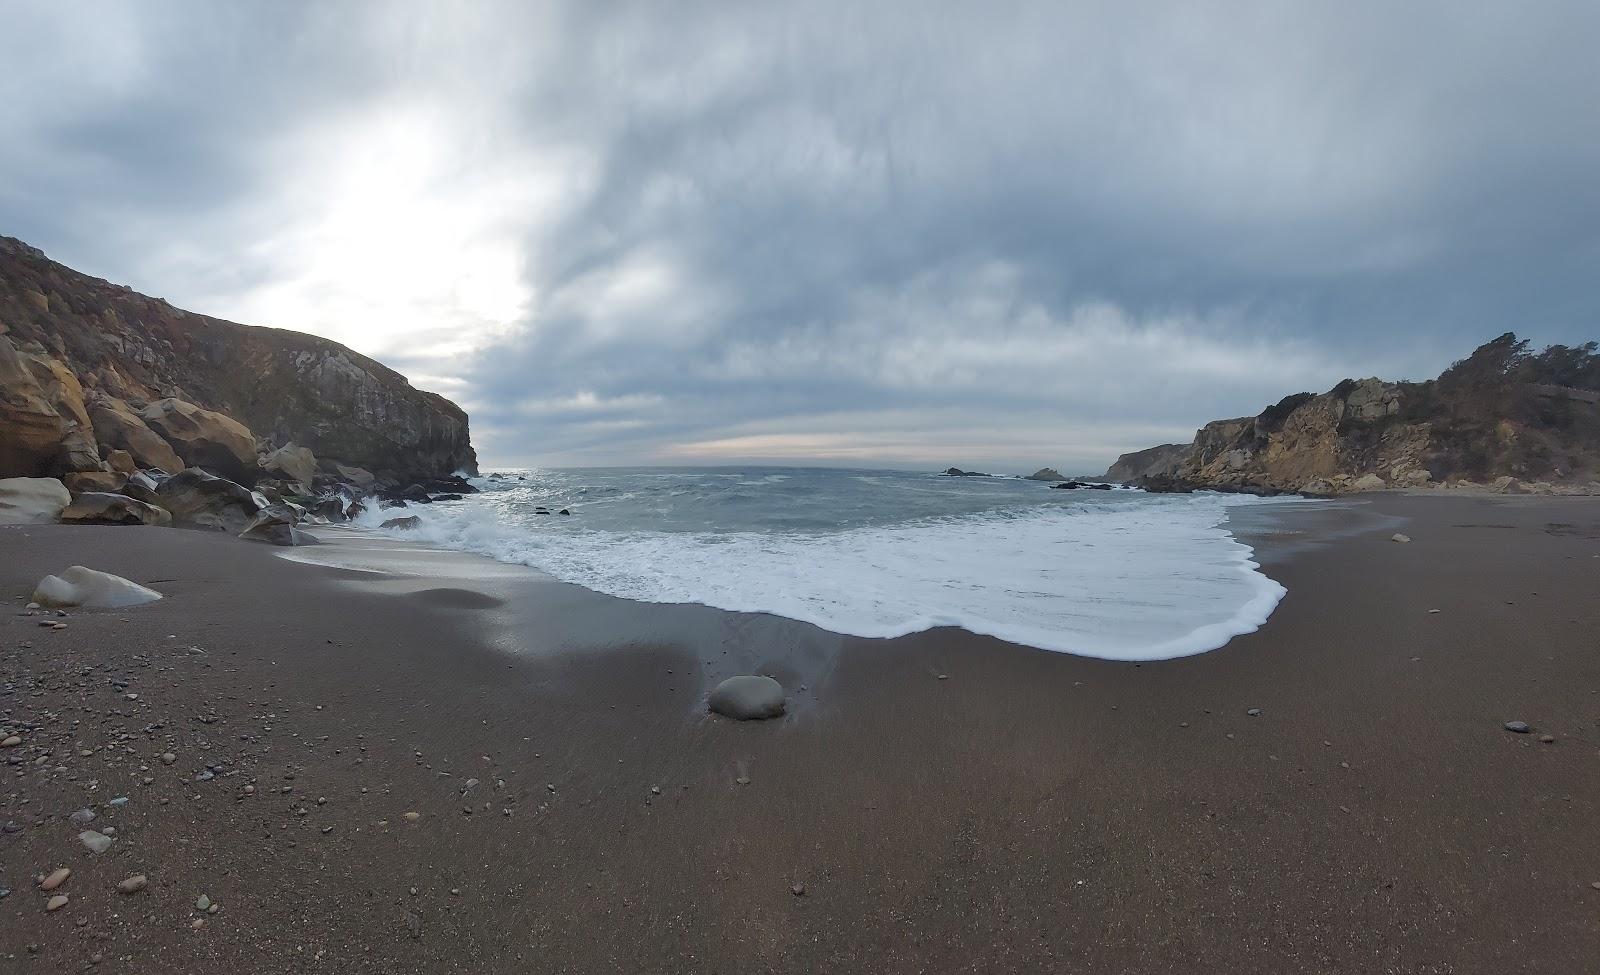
[89, 368]
[1503, 419]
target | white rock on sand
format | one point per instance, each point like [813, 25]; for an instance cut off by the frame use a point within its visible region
[32, 500]
[90, 589]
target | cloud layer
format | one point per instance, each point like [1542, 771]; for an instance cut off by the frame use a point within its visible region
[906, 233]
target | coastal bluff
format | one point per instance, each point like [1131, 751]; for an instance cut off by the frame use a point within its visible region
[1504, 420]
[95, 377]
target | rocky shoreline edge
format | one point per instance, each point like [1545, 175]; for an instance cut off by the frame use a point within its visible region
[272, 511]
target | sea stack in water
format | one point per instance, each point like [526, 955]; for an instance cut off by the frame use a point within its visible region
[748, 698]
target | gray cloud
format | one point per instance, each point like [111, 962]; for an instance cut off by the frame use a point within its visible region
[989, 234]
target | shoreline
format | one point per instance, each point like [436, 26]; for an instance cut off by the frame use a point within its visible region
[1213, 589]
[1032, 811]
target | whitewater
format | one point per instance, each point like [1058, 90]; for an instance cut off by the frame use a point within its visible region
[1121, 574]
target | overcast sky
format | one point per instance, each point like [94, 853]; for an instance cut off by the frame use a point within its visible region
[891, 233]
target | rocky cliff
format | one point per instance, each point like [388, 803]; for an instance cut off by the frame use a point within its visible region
[88, 367]
[1505, 418]
[1143, 463]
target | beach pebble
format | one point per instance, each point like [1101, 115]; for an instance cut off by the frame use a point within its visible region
[96, 842]
[1254, 712]
[82, 817]
[56, 903]
[412, 817]
[1520, 727]
[133, 884]
[1548, 739]
[202, 903]
[56, 879]
[168, 757]
[748, 698]
[798, 890]
[1400, 537]
[11, 741]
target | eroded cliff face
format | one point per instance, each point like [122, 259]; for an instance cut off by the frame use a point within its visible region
[1489, 421]
[1144, 463]
[114, 353]
[1316, 444]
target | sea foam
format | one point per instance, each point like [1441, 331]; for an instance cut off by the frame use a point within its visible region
[1146, 578]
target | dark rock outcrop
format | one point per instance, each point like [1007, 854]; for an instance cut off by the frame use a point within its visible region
[101, 508]
[275, 525]
[1503, 419]
[1046, 474]
[199, 500]
[331, 509]
[63, 332]
[958, 472]
[1145, 463]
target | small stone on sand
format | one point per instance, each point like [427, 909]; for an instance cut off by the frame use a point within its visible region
[56, 879]
[1519, 727]
[97, 842]
[133, 884]
[1400, 537]
[56, 903]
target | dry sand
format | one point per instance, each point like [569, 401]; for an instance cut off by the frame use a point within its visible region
[1029, 812]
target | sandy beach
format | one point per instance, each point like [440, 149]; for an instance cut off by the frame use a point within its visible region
[937, 803]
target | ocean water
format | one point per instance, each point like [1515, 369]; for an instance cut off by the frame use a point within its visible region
[1117, 574]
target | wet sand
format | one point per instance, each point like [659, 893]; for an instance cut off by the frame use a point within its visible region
[1029, 812]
